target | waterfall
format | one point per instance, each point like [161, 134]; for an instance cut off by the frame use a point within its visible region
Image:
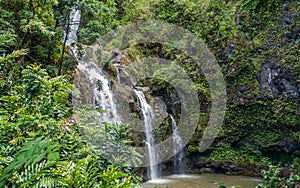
[101, 92]
[177, 146]
[102, 95]
[74, 22]
[148, 116]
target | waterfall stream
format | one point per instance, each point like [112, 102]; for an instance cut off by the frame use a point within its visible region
[148, 116]
[118, 74]
[101, 92]
[177, 148]
[74, 22]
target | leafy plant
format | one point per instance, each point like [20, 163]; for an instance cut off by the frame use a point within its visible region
[112, 141]
[225, 153]
[272, 178]
[259, 5]
[37, 175]
[98, 17]
[31, 158]
[83, 173]
[112, 177]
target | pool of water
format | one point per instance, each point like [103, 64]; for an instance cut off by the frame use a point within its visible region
[202, 181]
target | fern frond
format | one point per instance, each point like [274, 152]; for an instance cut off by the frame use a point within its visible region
[14, 54]
[38, 175]
[47, 182]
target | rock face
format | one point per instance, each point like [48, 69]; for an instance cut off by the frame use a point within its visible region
[197, 166]
[275, 81]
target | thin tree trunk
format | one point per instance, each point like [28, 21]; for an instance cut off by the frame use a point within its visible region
[64, 46]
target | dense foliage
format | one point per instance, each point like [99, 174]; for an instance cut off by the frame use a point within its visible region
[40, 141]
[41, 145]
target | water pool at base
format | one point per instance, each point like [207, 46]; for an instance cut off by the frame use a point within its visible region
[210, 180]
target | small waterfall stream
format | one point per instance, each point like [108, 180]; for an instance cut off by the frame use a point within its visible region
[148, 116]
[118, 73]
[75, 16]
[177, 146]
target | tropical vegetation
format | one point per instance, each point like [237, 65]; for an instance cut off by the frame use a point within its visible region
[40, 138]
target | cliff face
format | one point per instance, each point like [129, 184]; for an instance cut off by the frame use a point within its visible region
[260, 61]
[264, 93]
[280, 77]
[260, 64]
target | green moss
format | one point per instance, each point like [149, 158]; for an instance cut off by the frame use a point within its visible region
[225, 153]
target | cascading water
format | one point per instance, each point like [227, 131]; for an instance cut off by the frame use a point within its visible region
[148, 116]
[177, 146]
[74, 22]
[130, 78]
[102, 94]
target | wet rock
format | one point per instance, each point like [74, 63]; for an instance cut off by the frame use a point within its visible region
[288, 146]
[275, 81]
[143, 89]
[207, 170]
[196, 166]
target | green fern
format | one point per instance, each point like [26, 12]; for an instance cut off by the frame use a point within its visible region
[38, 175]
[83, 173]
[32, 153]
[48, 182]
[17, 53]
